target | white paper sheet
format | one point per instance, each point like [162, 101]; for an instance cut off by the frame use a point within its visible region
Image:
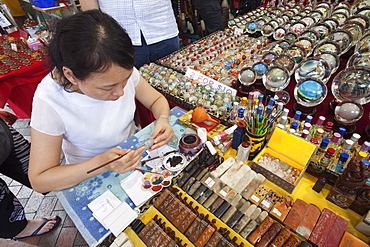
[133, 188]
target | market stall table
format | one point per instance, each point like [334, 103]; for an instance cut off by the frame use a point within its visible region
[76, 198]
[18, 87]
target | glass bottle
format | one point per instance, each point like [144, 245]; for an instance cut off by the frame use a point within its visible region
[294, 126]
[328, 130]
[240, 115]
[318, 134]
[243, 103]
[341, 131]
[318, 124]
[324, 161]
[297, 117]
[320, 151]
[356, 147]
[334, 141]
[234, 112]
[339, 166]
[346, 148]
[305, 134]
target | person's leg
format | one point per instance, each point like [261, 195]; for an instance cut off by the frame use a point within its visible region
[12, 218]
[210, 12]
[141, 54]
[163, 48]
[15, 165]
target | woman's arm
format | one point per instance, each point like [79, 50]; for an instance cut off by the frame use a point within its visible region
[158, 104]
[89, 4]
[46, 174]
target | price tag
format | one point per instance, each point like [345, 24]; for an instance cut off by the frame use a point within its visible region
[255, 198]
[13, 46]
[266, 203]
[277, 212]
[205, 80]
[209, 182]
[223, 193]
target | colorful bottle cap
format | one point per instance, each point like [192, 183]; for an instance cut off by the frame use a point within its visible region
[308, 119]
[294, 125]
[355, 137]
[365, 147]
[320, 121]
[343, 157]
[335, 137]
[297, 115]
[341, 131]
[324, 143]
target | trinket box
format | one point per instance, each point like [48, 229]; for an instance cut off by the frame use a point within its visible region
[294, 154]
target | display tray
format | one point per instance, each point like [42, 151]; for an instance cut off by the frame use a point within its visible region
[290, 149]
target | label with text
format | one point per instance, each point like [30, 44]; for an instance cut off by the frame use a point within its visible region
[204, 80]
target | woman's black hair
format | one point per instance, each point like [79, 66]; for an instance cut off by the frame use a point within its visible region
[88, 42]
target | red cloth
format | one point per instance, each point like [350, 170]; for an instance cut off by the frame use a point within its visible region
[19, 86]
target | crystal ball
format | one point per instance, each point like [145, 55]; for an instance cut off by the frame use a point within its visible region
[247, 76]
[275, 79]
[352, 84]
[310, 92]
[348, 112]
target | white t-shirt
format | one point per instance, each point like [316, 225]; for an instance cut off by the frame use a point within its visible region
[89, 126]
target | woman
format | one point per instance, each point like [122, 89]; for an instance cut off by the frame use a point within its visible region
[85, 106]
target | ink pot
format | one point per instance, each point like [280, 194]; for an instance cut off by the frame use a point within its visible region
[190, 144]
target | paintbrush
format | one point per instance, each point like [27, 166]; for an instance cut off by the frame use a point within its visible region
[160, 156]
[106, 163]
[142, 170]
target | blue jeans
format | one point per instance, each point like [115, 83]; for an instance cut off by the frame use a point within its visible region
[146, 54]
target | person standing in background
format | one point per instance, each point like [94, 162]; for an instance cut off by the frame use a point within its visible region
[211, 13]
[151, 25]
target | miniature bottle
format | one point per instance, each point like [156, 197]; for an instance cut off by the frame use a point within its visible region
[339, 167]
[320, 151]
[341, 131]
[304, 134]
[297, 117]
[334, 141]
[346, 148]
[365, 147]
[356, 147]
[318, 124]
[240, 115]
[328, 130]
[294, 126]
[318, 134]
[243, 103]
[234, 112]
[325, 161]
[238, 134]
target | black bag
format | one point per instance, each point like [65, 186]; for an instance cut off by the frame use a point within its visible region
[246, 6]
[6, 141]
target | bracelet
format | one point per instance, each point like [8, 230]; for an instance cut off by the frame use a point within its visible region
[164, 117]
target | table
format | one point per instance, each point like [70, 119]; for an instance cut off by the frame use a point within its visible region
[76, 198]
[18, 87]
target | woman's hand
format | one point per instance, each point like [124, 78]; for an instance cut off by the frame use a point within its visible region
[162, 134]
[130, 159]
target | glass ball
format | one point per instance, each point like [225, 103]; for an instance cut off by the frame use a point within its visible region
[310, 92]
[352, 84]
[260, 68]
[348, 112]
[276, 78]
[247, 76]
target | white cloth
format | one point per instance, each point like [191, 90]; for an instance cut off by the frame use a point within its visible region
[154, 18]
[89, 126]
